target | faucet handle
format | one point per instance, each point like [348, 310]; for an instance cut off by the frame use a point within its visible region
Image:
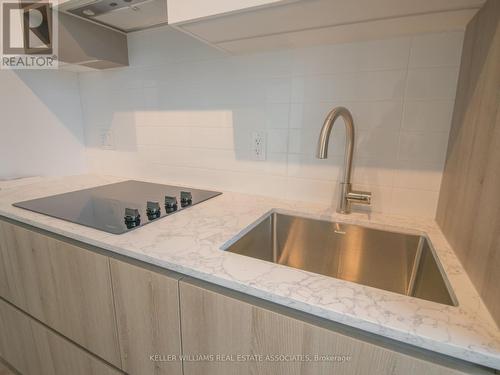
[359, 197]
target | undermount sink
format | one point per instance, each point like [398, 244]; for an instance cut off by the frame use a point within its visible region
[398, 262]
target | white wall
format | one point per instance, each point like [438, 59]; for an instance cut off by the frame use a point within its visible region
[41, 130]
[184, 112]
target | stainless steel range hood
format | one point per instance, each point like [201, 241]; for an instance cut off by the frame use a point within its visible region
[123, 15]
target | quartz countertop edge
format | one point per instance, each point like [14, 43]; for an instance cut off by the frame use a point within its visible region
[190, 242]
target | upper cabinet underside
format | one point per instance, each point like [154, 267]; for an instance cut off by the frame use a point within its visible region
[245, 26]
[265, 25]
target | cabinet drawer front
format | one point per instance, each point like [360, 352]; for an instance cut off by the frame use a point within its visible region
[65, 287]
[217, 324]
[147, 306]
[33, 349]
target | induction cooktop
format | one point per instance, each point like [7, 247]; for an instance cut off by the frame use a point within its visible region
[120, 207]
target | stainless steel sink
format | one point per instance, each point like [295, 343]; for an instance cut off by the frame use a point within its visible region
[398, 262]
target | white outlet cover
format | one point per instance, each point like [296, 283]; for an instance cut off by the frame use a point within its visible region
[106, 139]
[259, 145]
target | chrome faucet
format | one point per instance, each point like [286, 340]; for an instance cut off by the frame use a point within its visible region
[347, 195]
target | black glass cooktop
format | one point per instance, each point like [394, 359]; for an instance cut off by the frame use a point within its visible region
[120, 207]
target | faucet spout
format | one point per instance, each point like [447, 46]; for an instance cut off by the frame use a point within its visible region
[347, 195]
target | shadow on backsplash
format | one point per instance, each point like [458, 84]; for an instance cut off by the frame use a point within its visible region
[55, 92]
[189, 113]
[42, 126]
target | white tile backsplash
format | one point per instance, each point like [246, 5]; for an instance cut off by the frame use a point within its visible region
[432, 83]
[380, 146]
[364, 56]
[363, 85]
[371, 172]
[427, 115]
[368, 115]
[189, 111]
[436, 50]
[419, 175]
[41, 128]
[414, 202]
[423, 147]
[307, 166]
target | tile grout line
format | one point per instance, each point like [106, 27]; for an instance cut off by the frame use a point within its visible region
[403, 109]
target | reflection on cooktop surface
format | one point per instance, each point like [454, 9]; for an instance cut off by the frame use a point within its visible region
[120, 207]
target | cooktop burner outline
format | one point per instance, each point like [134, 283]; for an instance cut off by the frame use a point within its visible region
[119, 207]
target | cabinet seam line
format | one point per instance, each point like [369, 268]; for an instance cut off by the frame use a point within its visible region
[115, 314]
[180, 322]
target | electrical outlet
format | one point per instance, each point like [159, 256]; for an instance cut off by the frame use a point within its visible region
[106, 139]
[259, 145]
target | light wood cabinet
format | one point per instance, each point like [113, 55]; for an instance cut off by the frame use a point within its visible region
[64, 286]
[142, 319]
[124, 313]
[33, 349]
[147, 311]
[472, 170]
[4, 369]
[219, 324]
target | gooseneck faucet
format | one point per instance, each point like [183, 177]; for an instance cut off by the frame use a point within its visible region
[347, 195]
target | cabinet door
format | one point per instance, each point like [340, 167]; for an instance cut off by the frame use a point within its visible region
[147, 311]
[32, 348]
[217, 324]
[64, 286]
[4, 369]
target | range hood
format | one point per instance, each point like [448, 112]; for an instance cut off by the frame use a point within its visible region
[123, 15]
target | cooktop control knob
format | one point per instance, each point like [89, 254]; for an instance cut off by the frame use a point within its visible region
[132, 217]
[170, 204]
[153, 210]
[186, 198]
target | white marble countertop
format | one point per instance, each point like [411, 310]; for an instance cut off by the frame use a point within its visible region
[189, 242]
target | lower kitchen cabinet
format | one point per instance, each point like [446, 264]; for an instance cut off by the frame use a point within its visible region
[228, 333]
[65, 305]
[5, 369]
[147, 312]
[65, 286]
[33, 349]
[126, 314]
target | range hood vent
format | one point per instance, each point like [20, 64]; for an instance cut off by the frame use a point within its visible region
[123, 15]
[101, 7]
